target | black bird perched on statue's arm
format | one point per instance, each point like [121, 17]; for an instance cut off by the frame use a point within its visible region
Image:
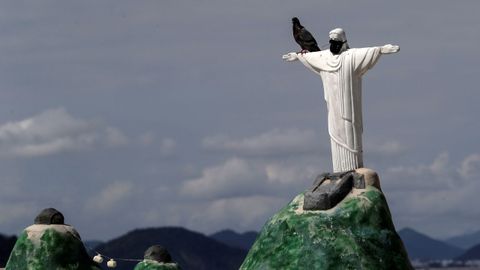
[301, 35]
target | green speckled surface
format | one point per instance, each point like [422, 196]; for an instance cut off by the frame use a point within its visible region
[357, 234]
[54, 251]
[152, 265]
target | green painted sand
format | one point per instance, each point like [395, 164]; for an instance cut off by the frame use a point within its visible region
[153, 265]
[357, 234]
[51, 250]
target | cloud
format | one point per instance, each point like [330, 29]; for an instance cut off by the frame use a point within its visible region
[115, 137]
[242, 193]
[240, 213]
[388, 148]
[113, 63]
[12, 212]
[146, 138]
[294, 175]
[439, 174]
[273, 142]
[54, 131]
[167, 146]
[238, 177]
[110, 197]
[232, 178]
[433, 196]
[470, 167]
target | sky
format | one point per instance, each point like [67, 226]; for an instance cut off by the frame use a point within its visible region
[131, 114]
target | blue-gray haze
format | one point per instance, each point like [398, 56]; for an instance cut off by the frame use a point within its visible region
[127, 114]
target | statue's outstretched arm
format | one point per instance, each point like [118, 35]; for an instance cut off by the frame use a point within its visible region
[290, 57]
[389, 48]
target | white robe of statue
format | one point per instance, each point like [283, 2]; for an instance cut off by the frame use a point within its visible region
[341, 75]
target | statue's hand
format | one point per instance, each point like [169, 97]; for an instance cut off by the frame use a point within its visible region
[289, 57]
[389, 48]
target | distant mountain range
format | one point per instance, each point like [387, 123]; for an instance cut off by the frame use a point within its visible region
[422, 247]
[471, 254]
[191, 250]
[227, 249]
[92, 244]
[6, 246]
[465, 241]
[234, 239]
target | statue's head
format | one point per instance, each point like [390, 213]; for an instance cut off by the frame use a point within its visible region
[49, 216]
[158, 253]
[295, 20]
[338, 41]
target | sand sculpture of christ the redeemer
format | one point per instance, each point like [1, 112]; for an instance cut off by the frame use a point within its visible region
[341, 70]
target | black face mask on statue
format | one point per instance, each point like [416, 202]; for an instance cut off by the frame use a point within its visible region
[336, 46]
